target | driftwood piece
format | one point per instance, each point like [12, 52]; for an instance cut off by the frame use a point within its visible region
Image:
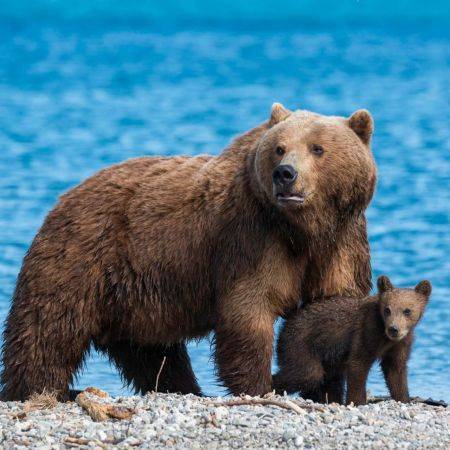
[96, 410]
[159, 373]
[426, 401]
[96, 391]
[101, 411]
[300, 407]
[76, 440]
[291, 405]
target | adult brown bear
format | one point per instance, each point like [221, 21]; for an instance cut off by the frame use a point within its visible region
[150, 253]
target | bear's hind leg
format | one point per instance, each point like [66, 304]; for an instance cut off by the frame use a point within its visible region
[44, 345]
[139, 366]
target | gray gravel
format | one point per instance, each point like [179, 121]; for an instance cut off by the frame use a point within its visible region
[166, 420]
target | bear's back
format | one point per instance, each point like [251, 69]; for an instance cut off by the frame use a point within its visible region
[90, 225]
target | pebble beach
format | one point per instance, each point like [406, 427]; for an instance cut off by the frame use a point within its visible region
[168, 420]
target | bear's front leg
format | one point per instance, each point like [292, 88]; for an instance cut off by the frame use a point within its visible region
[244, 341]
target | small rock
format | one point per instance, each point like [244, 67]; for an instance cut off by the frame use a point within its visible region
[288, 435]
[132, 441]
[221, 412]
[406, 415]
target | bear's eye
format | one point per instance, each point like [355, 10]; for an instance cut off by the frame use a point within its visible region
[317, 150]
[387, 311]
[407, 312]
[280, 151]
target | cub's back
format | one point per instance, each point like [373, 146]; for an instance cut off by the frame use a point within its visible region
[323, 328]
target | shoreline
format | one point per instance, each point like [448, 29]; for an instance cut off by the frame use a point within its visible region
[170, 420]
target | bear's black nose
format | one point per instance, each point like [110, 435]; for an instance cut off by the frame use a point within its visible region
[393, 331]
[284, 175]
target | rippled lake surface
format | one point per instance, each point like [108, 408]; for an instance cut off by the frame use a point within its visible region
[76, 97]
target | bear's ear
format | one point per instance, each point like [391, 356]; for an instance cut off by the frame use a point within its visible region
[278, 114]
[361, 123]
[424, 288]
[384, 284]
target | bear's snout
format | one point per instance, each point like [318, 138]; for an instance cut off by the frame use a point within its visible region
[284, 175]
[393, 332]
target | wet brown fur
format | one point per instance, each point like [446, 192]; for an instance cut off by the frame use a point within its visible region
[330, 342]
[148, 254]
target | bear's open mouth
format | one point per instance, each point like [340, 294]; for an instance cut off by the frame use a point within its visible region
[283, 197]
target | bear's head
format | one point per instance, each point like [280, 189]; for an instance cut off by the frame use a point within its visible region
[306, 162]
[401, 309]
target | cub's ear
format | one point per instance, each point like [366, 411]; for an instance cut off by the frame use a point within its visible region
[424, 288]
[361, 123]
[384, 284]
[278, 114]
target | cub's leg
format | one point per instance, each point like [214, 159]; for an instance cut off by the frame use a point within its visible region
[139, 366]
[305, 376]
[357, 373]
[45, 340]
[394, 366]
[317, 395]
[333, 387]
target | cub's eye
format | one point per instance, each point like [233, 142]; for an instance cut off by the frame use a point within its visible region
[280, 151]
[387, 311]
[317, 150]
[407, 312]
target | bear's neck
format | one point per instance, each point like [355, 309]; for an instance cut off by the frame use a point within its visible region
[241, 203]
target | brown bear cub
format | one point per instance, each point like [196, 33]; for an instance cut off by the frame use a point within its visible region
[331, 341]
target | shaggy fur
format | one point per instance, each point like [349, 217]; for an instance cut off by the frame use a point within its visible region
[330, 341]
[148, 254]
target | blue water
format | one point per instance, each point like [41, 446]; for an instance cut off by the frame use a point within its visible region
[78, 94]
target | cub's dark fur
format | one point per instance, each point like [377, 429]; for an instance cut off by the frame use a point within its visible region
[329, 342]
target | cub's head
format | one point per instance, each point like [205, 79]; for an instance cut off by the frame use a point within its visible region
[401, 309]
[306, 160]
